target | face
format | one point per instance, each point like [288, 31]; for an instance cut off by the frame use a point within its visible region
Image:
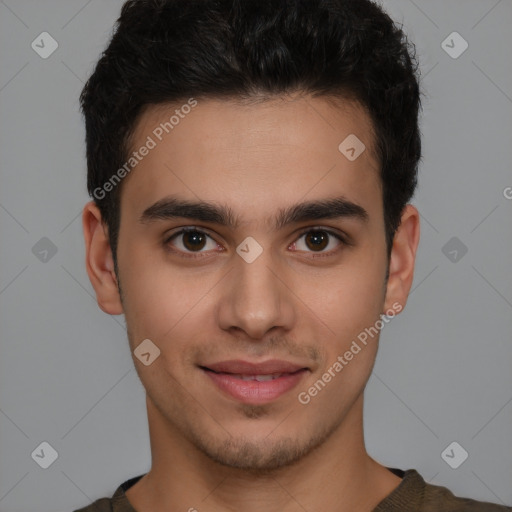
[252, 253]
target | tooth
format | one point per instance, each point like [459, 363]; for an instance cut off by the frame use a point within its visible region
[263, 378]
[259, 378]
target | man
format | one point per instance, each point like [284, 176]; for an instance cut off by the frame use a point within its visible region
[251, 164]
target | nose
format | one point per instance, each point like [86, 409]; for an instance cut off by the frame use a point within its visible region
[256, 298]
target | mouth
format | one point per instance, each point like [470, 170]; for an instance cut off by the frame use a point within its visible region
[259, 378]
[255, 383]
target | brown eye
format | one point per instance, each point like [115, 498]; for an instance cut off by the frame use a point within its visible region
[194, 240]
[317, 240]
[322, 241]
[191, 240]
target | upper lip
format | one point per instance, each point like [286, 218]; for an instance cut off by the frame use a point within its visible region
[240, 367]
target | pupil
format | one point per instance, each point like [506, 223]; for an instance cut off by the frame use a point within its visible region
[318, 239]
[194, 240]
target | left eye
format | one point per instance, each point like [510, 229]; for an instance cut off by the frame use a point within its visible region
[317, 240]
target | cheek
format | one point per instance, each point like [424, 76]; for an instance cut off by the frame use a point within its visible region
[159, 307]
[344, 301]
[151, 294]
[166, 306]
[351, 312]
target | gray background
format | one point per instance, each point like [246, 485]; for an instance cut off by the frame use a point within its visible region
[443, 370]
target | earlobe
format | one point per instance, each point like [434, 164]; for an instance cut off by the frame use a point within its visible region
[99, 261]
[403, 258]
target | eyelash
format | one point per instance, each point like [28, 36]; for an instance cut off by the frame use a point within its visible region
[197, 255]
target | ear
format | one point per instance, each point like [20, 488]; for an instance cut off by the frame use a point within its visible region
[99, 261]
[403, 257]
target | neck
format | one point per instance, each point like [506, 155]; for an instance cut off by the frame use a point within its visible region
[338, 475]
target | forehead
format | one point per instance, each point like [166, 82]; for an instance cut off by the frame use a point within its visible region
[253, 155]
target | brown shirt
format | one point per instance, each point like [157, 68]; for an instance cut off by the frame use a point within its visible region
[413, 494]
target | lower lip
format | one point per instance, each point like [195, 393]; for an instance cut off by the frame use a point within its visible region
[253, 391]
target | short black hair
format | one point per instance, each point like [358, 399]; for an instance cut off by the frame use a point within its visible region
[164, 51]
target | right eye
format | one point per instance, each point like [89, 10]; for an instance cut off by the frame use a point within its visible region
[190, 240]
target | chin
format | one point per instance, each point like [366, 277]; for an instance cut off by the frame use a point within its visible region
[263, 456]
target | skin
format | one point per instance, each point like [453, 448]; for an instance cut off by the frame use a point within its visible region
[209, 451]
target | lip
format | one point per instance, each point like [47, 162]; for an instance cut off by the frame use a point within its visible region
[226, 376]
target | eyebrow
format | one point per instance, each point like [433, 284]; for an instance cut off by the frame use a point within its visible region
[172, 207]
